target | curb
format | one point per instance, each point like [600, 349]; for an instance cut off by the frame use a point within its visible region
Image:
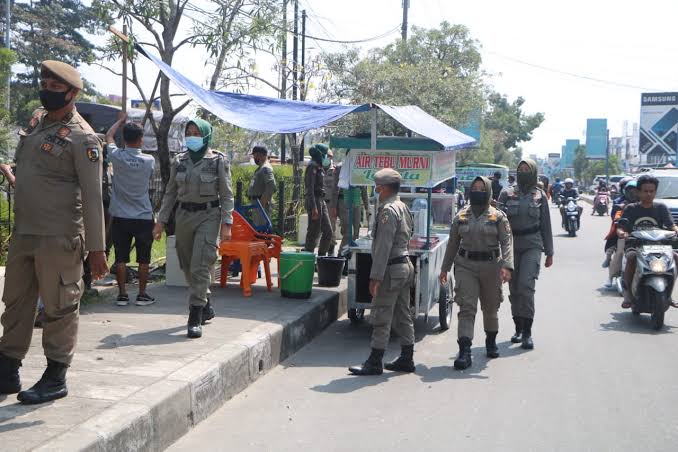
[157, 416]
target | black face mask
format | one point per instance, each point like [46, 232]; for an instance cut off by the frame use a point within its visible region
[53, 100]
[478, 198]
[525, 179]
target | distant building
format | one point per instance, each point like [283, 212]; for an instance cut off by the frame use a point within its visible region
[596, 138]
[568, 153]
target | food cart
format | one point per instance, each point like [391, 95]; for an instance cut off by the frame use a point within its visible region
[424, 163]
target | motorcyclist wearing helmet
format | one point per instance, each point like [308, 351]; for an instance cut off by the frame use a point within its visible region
[614, 246]
[556, 188]
[569, 192]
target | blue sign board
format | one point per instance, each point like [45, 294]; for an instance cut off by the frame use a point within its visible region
[568, 154]
[596, 138]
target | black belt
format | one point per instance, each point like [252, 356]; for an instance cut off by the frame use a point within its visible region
[398, 260]
[479, 255]
[527, 231]
[198, 206]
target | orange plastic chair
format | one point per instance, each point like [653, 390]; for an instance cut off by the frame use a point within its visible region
[250, 255]
[242, 230]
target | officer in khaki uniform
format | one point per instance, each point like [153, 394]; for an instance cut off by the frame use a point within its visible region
[59, 218]
[339, 206]
[391, 277]
[328, 186]
[200, 186]
[314, 200]
[263, 185]
[481, 247]
[528, 212]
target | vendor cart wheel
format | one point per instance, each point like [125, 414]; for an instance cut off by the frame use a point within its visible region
[356, 315]
[444, 308]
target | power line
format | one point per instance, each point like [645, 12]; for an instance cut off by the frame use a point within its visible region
[572, 74]
[316, 38]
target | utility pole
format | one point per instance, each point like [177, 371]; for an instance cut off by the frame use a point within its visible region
[283, 78]
[8, 23]
[302, 77]
[295, 51]
[406, 7]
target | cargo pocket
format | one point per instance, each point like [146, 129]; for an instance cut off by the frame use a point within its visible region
[399, 276]
[208, 185]
[209, 253]
[70, 288]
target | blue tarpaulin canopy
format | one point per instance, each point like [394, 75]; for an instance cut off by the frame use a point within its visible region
[271, 115]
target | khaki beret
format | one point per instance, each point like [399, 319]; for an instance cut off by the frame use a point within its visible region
[65, 72]
[387, 176]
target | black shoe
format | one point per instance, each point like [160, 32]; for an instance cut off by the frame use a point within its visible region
[9, 375]
[51, 386]
[517, 338]
[373, 365]
[463, 360]
[527, 344]
[194, 321]
[491, 345]
[404, 363]
[207, 313]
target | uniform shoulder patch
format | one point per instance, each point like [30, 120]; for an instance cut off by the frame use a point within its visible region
[93, 153]
[63, 132]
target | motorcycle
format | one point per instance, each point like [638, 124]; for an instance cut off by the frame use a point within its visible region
[655, 274]
[602, 204]
[571, 220]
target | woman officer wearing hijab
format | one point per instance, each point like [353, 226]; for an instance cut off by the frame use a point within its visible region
[200, 186]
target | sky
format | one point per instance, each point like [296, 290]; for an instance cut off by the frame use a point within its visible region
[570, 60]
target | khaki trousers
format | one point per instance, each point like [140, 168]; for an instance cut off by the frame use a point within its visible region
[320, 228]
[49, 267]
[473, 281]
[391, 308]
[196, 244]
[527, 264]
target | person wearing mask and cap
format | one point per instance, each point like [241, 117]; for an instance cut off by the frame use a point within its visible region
[200, 186]
[481, 248]
[328, 186]
[263, 184]
[528, 213]
[391, 277]
[59, 219]
[339, 205]
[314, 199]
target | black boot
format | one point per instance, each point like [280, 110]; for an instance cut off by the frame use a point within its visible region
[51, 386]
[527, 335]
[491, 345]
[463, 360]
[194, 321]
[517, 338]
[9, 375]
[404, 363]
[373, 365]
[207, 312]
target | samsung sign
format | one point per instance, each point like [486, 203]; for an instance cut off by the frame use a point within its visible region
[659, 99]
[658, 138]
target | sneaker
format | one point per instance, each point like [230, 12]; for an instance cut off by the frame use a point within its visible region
[144, 299]
[606, 263]
[609, 284]
[122, 300]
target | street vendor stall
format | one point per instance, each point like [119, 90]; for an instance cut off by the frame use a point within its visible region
[423, 163]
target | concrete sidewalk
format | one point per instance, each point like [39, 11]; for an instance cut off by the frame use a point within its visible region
[137, 382]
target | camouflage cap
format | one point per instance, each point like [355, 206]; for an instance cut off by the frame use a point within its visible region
[387, 176]
[63, 71]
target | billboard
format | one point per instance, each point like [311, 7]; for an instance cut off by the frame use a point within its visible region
[596, 138]
[569, 151]
[423, 169]
[658, 127]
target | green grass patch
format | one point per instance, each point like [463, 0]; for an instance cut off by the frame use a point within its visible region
[158, 253]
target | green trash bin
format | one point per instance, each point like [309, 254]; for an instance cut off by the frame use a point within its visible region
[296, 274]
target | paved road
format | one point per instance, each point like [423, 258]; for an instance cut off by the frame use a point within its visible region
[598, 380]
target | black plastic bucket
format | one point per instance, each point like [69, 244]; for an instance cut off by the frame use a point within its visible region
[329, 270]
